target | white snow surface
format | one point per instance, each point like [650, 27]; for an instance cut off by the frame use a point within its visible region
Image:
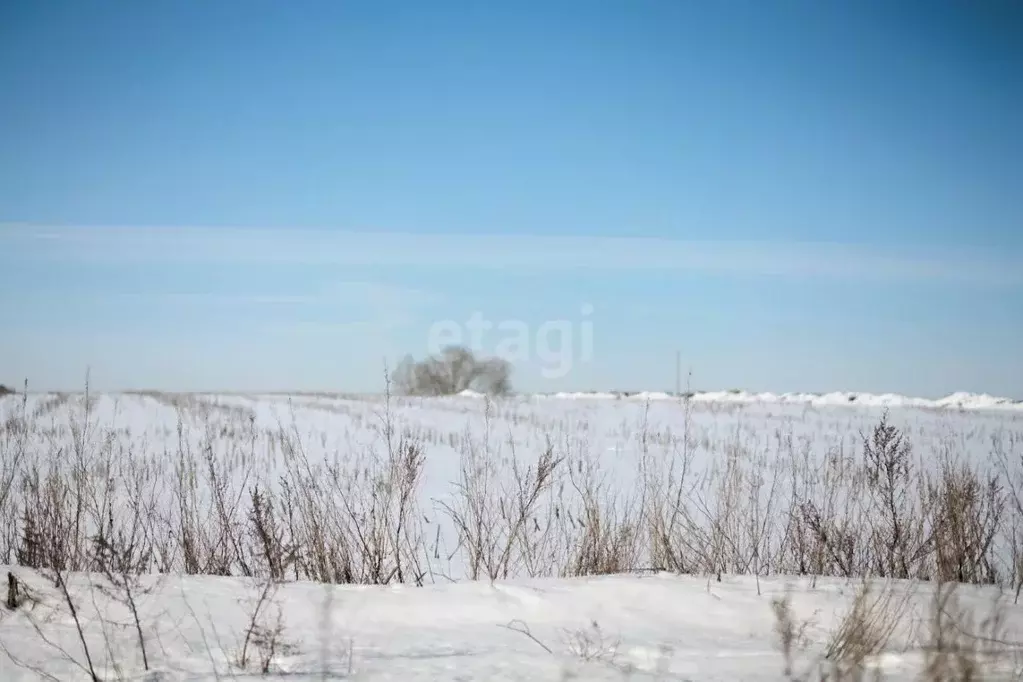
[651, 625]
[959, 400]
[626, 627]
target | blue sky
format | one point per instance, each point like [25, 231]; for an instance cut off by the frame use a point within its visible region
[272, 195]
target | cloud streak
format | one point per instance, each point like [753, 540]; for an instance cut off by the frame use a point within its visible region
[254, 246]
[357, 293]
[353, 294]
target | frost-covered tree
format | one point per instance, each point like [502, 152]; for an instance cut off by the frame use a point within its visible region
[453, 370]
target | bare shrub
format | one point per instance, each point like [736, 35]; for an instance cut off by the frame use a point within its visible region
[791, 631]
[120, 566]
[268, 534]
[967, 517]
[592, 644]
[863, 633]
[62, 499]
[1010, 467]
[958, 648]
[453, 370]
[14, 435]
[603, 534]
[358, 521]
[493, 506]
[898, 537]
[347, 519]
[315, 522]
[355, 515]
[379, 508]
[726, 522]
[263, 633]
[825, 532]
[887, 516]
[865, 630]
[208, 530]
[665, 479]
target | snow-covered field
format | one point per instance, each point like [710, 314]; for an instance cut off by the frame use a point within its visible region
[533, 537]
[654, 627]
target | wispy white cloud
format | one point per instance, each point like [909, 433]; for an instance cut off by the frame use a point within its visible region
[510, 252]
[198, 298]
[338, 307]
[340, 293]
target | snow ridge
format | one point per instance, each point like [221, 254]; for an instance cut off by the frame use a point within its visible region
[958, 401]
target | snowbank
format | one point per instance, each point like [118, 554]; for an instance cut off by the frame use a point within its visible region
[655, 626]
[961, 400]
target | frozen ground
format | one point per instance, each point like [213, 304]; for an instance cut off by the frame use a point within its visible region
[653, 627]
[764, 455]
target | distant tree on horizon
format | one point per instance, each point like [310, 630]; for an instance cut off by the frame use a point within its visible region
[452, 371]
